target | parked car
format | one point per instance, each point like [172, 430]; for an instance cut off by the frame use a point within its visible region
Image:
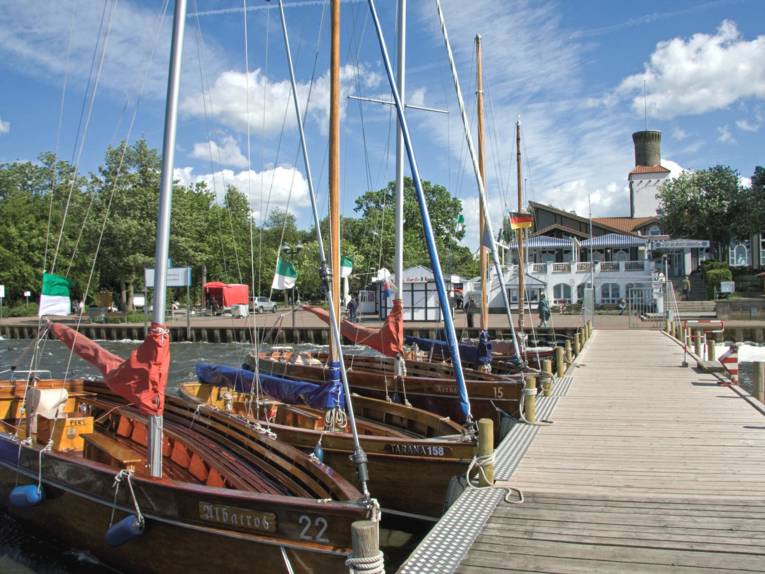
[263, 304]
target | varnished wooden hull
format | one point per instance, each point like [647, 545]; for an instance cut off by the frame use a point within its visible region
[406, 475]
[437, 395]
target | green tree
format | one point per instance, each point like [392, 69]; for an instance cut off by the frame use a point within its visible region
[706, 204]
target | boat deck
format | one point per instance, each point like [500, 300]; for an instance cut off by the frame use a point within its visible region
[648, 467]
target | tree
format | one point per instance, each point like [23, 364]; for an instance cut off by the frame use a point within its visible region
[707, 204]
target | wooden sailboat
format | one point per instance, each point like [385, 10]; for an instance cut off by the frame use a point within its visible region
[108, 468]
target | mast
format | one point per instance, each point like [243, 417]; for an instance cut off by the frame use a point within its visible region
[521, 250]
[438, 276]
[162, 249]
[484, 251]
[334, 166]
[398, 364]
[479, 182]
[359, 457]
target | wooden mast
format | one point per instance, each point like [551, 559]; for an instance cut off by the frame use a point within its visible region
[521, 250]
[334, 166]
[484, 250]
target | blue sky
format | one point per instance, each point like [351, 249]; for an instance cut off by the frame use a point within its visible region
[574, 71]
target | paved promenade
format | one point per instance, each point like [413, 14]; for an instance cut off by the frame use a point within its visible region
[648, 467]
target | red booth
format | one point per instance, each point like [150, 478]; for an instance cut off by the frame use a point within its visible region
[218, 294]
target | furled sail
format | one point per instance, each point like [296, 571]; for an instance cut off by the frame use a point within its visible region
[388, 340]
[141, 379]
[327, 396]
[473, 355]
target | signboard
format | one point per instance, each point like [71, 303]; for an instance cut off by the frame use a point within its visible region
[680, 244]
[27, 293]
[727, 286]
[2, 291]
[176, 277]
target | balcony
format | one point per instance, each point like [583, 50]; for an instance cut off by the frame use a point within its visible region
[561, 268]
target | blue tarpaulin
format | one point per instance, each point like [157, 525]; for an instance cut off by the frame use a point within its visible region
[326, 396]
[471, 354]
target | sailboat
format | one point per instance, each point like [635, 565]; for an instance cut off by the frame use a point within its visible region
[114, 467]
[413, 455]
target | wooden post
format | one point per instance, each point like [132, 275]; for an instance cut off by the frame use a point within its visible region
[547, 381]
[569, 357]
[365, 539]
[577, 343]
[758, 380]
[530, 398]
[697, 348]
[667, 325]
[711, 351]
[486, 448]
[560, 363]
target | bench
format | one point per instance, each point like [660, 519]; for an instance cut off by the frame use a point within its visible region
[105, 449]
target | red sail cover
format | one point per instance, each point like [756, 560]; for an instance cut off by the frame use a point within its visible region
[141, 379]
[389, 340]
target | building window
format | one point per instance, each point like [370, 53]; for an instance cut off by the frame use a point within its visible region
[562, 291]
[738, 254]
[762, 249]
[609, 293]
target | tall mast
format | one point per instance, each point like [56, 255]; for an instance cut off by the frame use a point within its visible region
[162, 249]
[484, 251]
[521, 250]
[334, 166]
[399, 256]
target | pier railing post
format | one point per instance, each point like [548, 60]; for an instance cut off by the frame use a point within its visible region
[711, 351]
[577, 343]
[569, 358]
[486, 449]
[530, 398]
[697, 344]
[560, 364]
[758, 380]
[365, 541]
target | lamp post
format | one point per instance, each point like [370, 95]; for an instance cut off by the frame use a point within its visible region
[289, 251]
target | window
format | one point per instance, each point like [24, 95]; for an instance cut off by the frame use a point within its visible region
[562, 291]
[609, 293]
[762, 249]
[738, 254]
[621, 255]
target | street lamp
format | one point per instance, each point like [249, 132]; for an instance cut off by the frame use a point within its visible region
[289, 251]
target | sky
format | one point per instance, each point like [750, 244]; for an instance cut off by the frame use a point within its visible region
[80, 75]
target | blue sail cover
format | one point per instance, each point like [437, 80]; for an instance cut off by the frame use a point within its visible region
[326, 396]
[471, 354]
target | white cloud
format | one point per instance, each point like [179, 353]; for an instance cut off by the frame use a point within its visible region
[5, 126]
[225, 153]
[35, 39]
[282, 187]
[227, 101]
[679, 134]
[724, 135]
[470, 209]
[747, 126]
[674, 168]
[700, 74]
[745, 181]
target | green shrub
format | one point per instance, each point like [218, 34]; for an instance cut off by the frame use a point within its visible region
[713, 277]
[20, 310]
[710, 264]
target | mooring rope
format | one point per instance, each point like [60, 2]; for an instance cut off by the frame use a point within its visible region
[481, 462]
[125, 475]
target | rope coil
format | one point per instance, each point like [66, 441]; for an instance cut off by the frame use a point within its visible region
[366, 565]
[488, 460]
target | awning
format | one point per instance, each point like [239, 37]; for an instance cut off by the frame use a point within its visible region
[614, 240]
[544, 242]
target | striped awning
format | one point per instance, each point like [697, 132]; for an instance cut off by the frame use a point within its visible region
[614, 240]
[544, 242]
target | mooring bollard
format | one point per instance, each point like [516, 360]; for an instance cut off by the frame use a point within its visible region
[758, 380]
[711, 351]
[547, 384]
[365, 541]
[485, 450]
[577, 343]
[667, 325]
[530, 399]
[589, 328]
[698, 349]
[569, 358]
[560, 363]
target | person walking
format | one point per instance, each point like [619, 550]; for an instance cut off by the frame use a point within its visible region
[352, 308]
[469, 312]
[686, 287]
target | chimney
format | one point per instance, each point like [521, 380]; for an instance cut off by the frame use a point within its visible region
[647, 148]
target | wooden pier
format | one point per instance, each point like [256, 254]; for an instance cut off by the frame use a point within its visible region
[648, 467]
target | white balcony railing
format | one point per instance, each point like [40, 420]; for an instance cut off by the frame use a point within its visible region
[561, 268]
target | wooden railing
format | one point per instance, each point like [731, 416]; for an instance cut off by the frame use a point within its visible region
[561, 267]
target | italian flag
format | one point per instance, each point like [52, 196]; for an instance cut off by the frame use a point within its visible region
[285, 275]
[54, 299]
[346, 266]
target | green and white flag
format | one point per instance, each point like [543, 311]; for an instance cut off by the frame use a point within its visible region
[54, 299]
[460, 223]
[285, 275]
[346, 266]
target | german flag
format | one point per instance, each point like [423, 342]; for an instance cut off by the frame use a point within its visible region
[520, 220]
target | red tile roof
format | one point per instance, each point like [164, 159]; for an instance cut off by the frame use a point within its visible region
[649, 169]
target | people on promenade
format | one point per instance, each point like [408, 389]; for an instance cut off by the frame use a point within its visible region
[686, 287]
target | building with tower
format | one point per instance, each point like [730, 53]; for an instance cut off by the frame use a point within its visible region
[646, 177]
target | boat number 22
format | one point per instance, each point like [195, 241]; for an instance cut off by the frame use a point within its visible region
[313, 530]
